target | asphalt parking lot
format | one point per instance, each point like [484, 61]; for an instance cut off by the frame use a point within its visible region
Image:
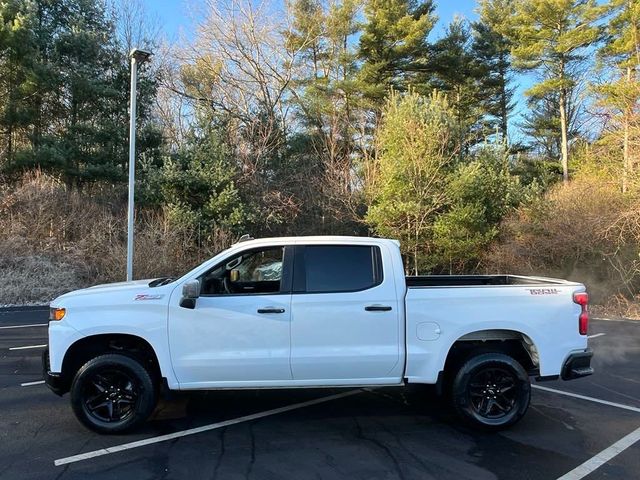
[587, 428]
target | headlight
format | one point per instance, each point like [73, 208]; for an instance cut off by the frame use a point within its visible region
[56, 313]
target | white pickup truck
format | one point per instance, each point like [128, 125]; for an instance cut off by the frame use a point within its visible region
[314, 312]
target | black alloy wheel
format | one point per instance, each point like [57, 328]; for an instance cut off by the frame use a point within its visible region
[491, 391]
[113, 393]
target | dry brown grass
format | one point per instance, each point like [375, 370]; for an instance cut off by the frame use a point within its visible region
[586, 231]
[53, 240]
[618, 306]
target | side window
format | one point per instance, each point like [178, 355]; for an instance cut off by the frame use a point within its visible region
[341, 268]
[254, 271]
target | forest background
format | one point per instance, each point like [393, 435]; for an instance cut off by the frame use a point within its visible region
[323, 117]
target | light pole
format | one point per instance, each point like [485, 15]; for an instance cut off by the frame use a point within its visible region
[137, 57]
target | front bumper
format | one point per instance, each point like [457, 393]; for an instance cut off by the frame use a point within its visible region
[577, 365]
[53, 380]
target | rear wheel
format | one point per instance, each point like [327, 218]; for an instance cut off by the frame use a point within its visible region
[491, 391]
[113, 393]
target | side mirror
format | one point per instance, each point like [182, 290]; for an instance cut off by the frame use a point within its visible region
[190, 292]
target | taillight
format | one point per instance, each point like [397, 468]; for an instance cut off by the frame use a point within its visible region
[582, 299]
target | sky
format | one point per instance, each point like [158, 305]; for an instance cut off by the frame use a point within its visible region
[175, 17]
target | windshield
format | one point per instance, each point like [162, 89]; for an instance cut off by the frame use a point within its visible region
[158, 282]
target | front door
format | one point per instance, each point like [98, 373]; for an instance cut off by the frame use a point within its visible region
[238, 332]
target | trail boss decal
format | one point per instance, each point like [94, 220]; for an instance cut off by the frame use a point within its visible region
[144, 296]
[543, 291]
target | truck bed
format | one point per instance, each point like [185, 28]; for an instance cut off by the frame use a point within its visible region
[477, 280]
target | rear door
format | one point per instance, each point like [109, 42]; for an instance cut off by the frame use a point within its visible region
[344, 316]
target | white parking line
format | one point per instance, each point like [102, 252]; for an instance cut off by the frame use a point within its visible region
[205, 428]
[25, 326]
[28, 384]
[596, 335]
[608, 453]
[26, 347]
[590, 399]
[603, 457]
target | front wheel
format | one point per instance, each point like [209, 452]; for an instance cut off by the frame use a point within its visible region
[491, 391]
[112, 393]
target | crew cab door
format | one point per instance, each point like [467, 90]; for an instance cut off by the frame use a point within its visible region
[345, 325]
[238, 332]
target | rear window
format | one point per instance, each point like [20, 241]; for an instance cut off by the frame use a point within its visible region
[341, 268]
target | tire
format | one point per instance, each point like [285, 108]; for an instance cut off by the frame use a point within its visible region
[491, 391]
[113, 393]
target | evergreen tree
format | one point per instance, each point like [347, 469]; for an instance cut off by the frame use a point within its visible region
[68, 104]
[550, 37]
[407, 179]
[18, 50]
[326, 95]
[306, 36]
[622, 51]
[542, 125]
[197, 185]
[479, 195]
[454, 72]
[491, 51]
[393, 45]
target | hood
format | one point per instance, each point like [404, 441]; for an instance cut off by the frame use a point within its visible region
[135, 287]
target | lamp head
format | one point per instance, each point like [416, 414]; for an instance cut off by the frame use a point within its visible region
[140, 56]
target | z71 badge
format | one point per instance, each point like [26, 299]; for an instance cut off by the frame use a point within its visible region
[543, 291]
[145, 296]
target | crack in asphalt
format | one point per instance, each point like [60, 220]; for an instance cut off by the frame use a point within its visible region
[166, 458]
[252, 458]
[402, 445]
[613, 391]
[381, 446]
[633, 380]
[223, 430]
[37, 432]
[66, 467]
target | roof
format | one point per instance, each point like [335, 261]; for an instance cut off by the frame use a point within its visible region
[317, 239]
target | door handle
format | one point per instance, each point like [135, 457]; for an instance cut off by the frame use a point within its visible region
[377, 308]
[271, 310]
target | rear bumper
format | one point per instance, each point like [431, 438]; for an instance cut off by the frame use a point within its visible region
[577, 365]
[53, 380]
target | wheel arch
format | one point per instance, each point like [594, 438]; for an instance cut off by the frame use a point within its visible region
[86, 348]
[514, 343]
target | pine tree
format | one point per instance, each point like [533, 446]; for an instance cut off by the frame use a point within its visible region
[326, 94]
[491, 50]
[622, 50]
[197, 185]
[17, 51]
[393, 45]
[67, 108]
[550, 37]
[541, 123]
[305, 36]
[407, 180]
[454, 71]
